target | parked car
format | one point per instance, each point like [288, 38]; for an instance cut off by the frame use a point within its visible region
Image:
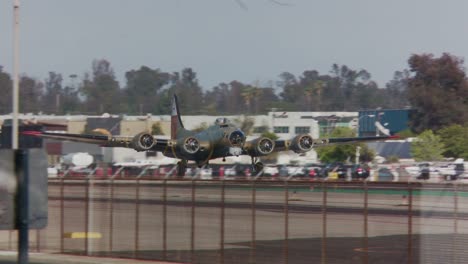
[334, 171]
[360, 171]
[270, 170]
[291, 171]
[384, 174]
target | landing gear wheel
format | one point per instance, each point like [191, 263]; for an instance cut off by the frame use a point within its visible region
[258, 167]
[181, 168]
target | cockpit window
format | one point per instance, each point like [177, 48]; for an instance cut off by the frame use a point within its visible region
[221, 121]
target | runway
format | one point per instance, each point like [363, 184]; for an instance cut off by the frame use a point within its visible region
[265, 222]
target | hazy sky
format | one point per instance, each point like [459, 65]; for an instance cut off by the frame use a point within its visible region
[223, 40]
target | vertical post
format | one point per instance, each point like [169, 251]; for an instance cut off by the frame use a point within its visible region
[455, 223]
[111, 214]
[22, 172]
[455, 209]
[137, 218]
[14, 128]
[286, 221]
[62, 214]
[221, 240]
[365, 239]
[10, 240]
[86, 215]
[38, 240]
[324, 223]
[410, 224]
[192, 225]
[253, 243]
[164, 215]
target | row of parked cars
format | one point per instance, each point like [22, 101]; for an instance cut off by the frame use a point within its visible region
[335, 170]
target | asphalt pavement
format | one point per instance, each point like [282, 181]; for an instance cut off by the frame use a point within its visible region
[8, 257]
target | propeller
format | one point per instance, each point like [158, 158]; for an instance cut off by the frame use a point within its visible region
[306, 142]
[236, 138]
[143, 141]
[265, 146]
[191, 145]
[147, 141]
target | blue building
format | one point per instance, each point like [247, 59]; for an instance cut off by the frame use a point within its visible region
[395, 120]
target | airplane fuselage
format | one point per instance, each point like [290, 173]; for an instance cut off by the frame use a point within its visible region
[217, 141]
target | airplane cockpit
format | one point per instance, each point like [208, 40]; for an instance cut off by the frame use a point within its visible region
[222, 122]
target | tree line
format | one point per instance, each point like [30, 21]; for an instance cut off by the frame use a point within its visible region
[434, 87]
[148, 90]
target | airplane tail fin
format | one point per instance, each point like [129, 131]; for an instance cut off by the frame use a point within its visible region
[176, 121]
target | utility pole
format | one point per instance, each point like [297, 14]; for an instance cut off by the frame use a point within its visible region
[14, 133]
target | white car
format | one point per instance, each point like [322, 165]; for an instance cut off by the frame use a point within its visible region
[270, 170]
[295, 171]
[202, 173]
[52, 172]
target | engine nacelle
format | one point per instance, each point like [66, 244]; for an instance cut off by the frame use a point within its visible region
[191, 145]
[301, 143]
[143, 141]
[261, 147]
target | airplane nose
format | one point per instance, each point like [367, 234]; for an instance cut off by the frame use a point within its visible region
[237, 138]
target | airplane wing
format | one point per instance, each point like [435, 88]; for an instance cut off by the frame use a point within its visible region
[349, 140]
[140, 142]
[300, 144]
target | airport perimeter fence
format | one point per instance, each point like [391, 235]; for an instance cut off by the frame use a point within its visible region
[254, 221]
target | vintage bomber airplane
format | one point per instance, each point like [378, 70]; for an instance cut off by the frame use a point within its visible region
[220, 140]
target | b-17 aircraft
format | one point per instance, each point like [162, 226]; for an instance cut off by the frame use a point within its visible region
[220, 140]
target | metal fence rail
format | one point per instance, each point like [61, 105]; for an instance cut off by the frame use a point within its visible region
[254, 221]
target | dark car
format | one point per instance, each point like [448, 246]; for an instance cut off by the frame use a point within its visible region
[360, 171]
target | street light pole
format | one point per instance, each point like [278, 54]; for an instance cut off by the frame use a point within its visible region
[14, 133]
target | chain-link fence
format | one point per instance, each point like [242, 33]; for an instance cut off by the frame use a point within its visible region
[254, 221]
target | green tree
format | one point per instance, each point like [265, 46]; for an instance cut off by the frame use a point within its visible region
[6, 88]
[427, 147]
[455, 140]
[397, 90]
[438, 91]
[185, 85]
[245, 123]
[30, 94]
[156, 129]
[345, 152]
[53, 89]
[102, 91]
[202, 126]
[142, 89]
[270, 135]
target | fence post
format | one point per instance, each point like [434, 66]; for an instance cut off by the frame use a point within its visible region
[221, 242]
[253, 245]
[192, 225]
[164, 215]
[62, 214]
[137, 217]
[38, 240]
[324, 222]
[455, 223]
[111, 214]
[410, 223]
[86, 214]
[365, 241]
[286, 221]
[10, 240]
